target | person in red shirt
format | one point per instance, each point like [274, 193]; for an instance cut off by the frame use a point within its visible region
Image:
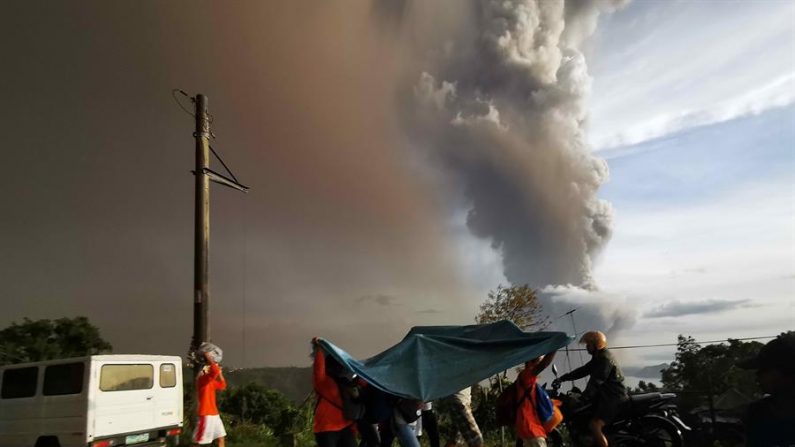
[529, 427]
[208, 425]
[330, 426]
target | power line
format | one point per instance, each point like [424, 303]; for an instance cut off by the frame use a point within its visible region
[549, 322]
[677, 344]
[574, 328]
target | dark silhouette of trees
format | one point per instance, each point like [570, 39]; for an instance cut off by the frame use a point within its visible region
[698, 372]
[33, 341]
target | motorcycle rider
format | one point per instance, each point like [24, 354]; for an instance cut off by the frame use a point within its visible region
[770, 421]
[605, 386]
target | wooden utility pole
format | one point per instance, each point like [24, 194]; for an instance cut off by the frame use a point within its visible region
[204, 175]
[201, 286]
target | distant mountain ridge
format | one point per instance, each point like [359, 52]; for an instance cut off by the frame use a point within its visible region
[296, 382]
[293, 382]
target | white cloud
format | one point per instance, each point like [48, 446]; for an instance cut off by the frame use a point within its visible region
[778, 93]
[661, 68]
[677, 308]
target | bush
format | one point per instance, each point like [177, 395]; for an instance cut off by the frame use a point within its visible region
[249, 433]
[255, 404]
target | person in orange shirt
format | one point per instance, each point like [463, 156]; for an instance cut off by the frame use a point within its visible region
[208, 425]
[529, 427]
[330, 426]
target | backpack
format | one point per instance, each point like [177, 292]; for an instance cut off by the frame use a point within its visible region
[507, 405]
[548, 413]
[409, 409]
[377, 407]
[352, 402]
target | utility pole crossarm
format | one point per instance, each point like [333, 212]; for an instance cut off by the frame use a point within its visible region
[224, 180]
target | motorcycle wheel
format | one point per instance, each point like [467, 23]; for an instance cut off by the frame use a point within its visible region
[555, 439]
[658, 433]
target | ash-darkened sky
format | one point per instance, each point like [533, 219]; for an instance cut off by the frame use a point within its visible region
[404, 158]
[321, 110]
[98, 197]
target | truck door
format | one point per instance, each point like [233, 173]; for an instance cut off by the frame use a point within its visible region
[168, 401]
[125, 401]
[19, 406]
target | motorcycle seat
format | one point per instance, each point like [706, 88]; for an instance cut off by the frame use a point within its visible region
[644, 398]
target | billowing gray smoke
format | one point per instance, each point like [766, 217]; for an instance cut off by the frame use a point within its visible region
[501, 104]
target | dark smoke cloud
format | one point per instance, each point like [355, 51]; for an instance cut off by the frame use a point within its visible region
[429, 311]
[677, 308]
[381, 300]
[501, 107]
[594, 309]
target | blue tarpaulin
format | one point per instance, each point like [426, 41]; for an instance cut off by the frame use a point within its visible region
[437, 361]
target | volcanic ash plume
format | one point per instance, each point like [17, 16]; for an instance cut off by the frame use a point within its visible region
[500, 103]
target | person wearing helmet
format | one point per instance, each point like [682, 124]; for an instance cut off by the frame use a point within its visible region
[605, 385]
[770, 421]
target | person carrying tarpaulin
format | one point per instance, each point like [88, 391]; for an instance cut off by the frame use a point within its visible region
[605, 385]
[209, 426]
[330, 426]
[532, 427]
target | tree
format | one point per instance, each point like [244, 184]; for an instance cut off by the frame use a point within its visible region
[518, 304]
[644, 387]
[698, 372]
[33, 341]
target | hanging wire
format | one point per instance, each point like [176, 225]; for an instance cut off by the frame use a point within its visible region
[708, 342]
[218, 157]
[549, 322]
[174, 92]
[574, 328]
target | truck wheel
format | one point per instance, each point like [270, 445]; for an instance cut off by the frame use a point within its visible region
[48, 441]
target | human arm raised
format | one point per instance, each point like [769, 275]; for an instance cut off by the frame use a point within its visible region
[215, 372]
[319, 377]
[544, 363]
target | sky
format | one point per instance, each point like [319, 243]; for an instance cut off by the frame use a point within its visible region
[635, 161]
[693, 110]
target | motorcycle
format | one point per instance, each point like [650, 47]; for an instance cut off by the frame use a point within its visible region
[642, 420]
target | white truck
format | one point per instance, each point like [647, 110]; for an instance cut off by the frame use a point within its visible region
[94, 401]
